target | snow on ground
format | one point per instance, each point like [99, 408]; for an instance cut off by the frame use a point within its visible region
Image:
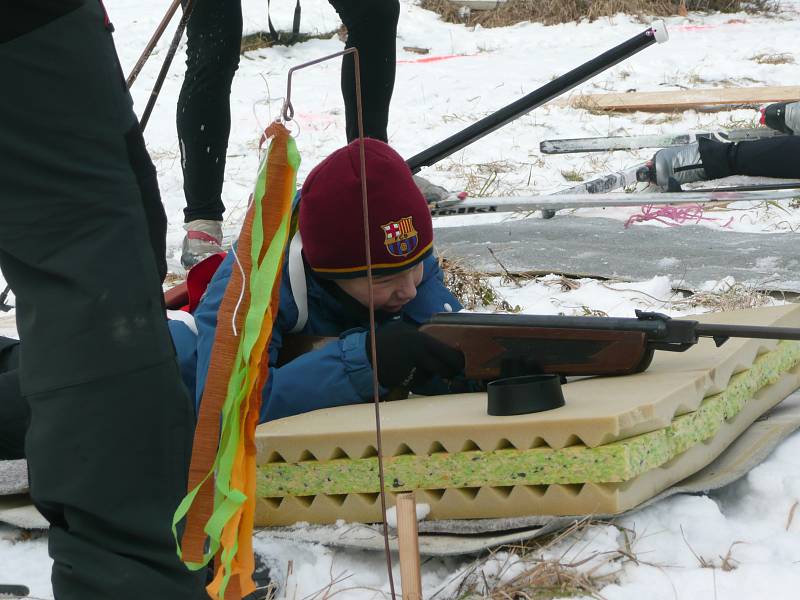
[480, 71]
[477, 71]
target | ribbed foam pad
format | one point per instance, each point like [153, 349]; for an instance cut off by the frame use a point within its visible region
[598, 410]
[615, 462]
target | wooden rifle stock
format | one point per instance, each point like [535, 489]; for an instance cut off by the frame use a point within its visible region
[491, 352]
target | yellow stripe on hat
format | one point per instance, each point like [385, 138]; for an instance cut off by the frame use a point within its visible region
[375, 265]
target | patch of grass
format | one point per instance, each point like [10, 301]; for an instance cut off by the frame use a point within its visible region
[730, 121]
[485, 179]
[765, 58]
[663, 119]
[551, 12]
[473, 288]
[262, 39]
[696, 79]
[572, 175]
[526, 572]
[734, 297]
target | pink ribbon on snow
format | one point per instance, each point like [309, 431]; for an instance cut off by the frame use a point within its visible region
[672, 216]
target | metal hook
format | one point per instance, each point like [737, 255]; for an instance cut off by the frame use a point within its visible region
[287, 112]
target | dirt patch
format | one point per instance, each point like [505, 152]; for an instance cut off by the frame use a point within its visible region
[773, 59]
[263, 39]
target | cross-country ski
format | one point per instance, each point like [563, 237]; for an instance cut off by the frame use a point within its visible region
[636, 142]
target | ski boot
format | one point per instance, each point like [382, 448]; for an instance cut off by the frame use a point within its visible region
[677, 165]
[203, 238]
[430, 191]
[782, 116]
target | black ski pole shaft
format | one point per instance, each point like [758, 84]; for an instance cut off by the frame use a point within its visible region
[148, 49]
[656, 33]
[3, 296]
[162, 75]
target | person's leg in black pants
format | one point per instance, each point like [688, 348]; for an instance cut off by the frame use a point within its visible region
[110, 421]
[372, 28]
[770, 157]
[214, 34]
[14, 412]
[710, 159]
[214, 37]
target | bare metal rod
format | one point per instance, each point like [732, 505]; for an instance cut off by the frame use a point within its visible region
[287, 112]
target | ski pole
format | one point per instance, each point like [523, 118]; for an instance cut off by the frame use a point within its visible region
[162, 75]
[148, 49]
[656, 33]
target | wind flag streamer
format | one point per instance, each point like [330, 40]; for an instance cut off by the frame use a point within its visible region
[220, 504]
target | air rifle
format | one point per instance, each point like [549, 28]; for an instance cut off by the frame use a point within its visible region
[497, 346]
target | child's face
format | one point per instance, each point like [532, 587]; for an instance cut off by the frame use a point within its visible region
[390, 293]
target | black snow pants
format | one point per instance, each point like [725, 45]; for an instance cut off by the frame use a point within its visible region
[214, 34]
[110, 421]
[770, 157]
[14, 412]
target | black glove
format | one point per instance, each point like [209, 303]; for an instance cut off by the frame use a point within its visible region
[408, 357]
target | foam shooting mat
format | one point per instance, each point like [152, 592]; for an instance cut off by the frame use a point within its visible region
[616, 443]
[469, 536]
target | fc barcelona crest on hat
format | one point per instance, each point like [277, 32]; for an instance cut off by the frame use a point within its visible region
[401, 237]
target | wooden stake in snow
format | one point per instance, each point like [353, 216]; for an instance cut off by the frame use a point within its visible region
[408, 542]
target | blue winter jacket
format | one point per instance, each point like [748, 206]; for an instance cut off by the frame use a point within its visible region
[337, 374]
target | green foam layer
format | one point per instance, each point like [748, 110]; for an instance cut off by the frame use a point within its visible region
[615, 462]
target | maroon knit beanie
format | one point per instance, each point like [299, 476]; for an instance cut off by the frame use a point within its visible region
[331, 218]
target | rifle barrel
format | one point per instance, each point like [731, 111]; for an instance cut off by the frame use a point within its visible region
[748, 331]
[527, 103]
[655, 327]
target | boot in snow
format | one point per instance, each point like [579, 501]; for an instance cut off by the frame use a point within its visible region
[782, 116]
[681, 163]
[203, 238]
[430, 191]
